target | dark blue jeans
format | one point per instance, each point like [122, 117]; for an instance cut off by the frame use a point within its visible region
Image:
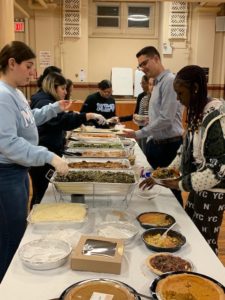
[14, 193]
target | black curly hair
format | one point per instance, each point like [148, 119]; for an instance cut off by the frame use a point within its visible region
[104, 84]
[192, 76]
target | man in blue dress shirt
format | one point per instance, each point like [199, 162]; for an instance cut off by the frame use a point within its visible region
[164, 131]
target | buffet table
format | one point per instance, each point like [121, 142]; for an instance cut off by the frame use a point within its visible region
[23, 283]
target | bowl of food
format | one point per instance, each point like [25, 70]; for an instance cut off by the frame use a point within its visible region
[160, 263]
[162, 174]
[141, 120]
[154, 219]
[186, 285]
[171, 242]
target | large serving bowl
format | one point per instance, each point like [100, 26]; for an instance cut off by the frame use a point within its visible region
[154, 241]
[154, 219]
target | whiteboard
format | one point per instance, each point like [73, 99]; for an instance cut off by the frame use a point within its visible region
[137, 82]
[122, 81]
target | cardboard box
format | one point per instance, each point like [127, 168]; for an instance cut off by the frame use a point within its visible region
[97, 263]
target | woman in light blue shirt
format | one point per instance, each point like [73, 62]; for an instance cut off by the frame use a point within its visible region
[18, 145]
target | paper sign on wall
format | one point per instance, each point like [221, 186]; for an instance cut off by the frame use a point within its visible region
[45, 58]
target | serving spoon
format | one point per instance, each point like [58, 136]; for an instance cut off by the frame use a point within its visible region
[142, 295]
[163, 236]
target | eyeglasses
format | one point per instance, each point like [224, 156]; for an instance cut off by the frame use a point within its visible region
[143, 64]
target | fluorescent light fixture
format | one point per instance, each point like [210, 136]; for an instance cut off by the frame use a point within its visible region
[138, 18]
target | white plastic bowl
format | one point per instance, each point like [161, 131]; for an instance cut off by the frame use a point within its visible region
[45, 254]
[120, 230]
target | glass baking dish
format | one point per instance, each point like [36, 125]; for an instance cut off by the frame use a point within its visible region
[52, 214]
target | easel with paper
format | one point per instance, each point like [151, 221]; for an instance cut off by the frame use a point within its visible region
[122, 81]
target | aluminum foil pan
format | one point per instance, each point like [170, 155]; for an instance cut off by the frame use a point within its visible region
[45, 254]
[85, 289]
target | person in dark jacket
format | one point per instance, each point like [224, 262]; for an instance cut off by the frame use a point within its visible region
[52, 133]
[101, 102]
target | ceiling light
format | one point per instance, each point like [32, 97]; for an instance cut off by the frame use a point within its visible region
[138, 18]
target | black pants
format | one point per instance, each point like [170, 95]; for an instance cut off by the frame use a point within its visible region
[206, 209]
[39, 182]
[161, 155]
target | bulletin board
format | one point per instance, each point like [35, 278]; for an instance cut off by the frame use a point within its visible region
[122, 81]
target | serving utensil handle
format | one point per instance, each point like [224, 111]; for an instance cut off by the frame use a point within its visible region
[168, 229]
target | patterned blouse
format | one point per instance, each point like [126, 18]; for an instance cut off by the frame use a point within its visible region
[201, 158]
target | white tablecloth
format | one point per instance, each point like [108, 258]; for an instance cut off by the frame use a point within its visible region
[26, 284]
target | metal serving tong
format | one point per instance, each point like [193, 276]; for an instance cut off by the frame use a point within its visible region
[72, 153]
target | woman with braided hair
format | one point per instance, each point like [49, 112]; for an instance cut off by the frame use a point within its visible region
[201, 158]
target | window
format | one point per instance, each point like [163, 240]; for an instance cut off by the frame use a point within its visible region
[107, 16]
[122, 18]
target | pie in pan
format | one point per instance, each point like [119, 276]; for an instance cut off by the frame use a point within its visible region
[108, 288]
[155, 219]
[189, 286]
[161, 263]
